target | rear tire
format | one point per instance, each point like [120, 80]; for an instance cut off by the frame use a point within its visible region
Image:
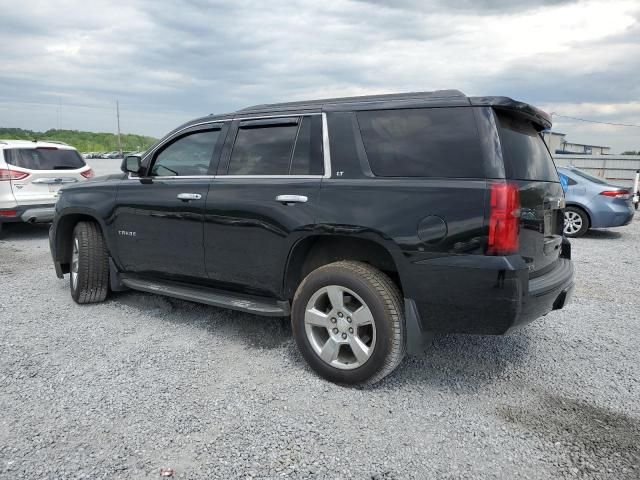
[89, 269]
[576, 222]
[348, 322]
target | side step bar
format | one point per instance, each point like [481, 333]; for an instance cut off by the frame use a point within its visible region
[209, 296]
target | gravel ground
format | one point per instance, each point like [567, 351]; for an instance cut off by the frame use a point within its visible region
[141, 382]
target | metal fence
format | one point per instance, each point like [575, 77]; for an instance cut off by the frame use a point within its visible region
[620, 169]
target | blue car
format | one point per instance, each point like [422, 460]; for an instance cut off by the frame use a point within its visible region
[592, 202]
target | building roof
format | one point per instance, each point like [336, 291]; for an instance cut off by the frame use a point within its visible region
[585, 145]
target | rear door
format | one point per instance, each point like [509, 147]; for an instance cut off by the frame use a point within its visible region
[262, 201]
[48, 168]
[529, 165]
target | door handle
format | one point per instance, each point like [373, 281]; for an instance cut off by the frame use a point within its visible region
[286, 199]
[189, 196]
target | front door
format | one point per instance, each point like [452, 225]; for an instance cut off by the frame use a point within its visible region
[158, 219]
[262, 201]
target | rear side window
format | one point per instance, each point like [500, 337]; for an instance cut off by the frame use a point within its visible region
[278, 148]
[524, 151]
[566, 181]
[44, 158]
[426, 142]
[263, 150]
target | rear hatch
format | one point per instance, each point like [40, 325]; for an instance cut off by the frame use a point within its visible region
[46, 170]
[529, 166]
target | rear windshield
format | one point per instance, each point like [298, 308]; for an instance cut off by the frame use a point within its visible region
[425, 142]
[586, 176]
[44, 158]
[525, 153]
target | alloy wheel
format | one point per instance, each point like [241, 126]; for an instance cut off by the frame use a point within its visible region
[340, 327]
[74, 263]
[572, 223]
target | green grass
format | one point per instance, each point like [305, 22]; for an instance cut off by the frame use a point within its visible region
[83, 141]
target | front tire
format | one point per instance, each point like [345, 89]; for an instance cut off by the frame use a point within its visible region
[576, 222]
[348, 322]
[89, 264]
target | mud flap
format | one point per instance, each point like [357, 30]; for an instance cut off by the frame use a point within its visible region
[416, 337]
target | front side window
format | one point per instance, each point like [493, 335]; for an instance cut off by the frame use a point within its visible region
[425, 142]
[189, 155]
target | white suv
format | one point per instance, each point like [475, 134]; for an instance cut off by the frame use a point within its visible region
[31, 173]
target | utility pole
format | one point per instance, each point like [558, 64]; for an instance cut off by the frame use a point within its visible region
[118, 117]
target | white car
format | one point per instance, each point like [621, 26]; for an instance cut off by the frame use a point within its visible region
[31, 173]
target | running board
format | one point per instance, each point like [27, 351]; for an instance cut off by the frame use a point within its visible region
[210, 296]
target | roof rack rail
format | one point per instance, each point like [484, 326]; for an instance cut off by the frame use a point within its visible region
[54, 141]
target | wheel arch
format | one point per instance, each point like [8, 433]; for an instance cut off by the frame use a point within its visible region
[584, 209]
[64, 227]
[314, 251]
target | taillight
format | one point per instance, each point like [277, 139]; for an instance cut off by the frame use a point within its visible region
[6, 175]
[87, 173]
[8, 213]
[504, 219]
[616, 193]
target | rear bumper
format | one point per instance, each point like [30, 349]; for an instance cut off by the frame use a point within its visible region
[614, 215]
[548, 292]
[29, 213]
[482, 295]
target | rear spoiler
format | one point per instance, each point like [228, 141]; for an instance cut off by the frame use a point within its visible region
[540, 119]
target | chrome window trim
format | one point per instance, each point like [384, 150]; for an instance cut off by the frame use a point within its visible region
[326, 153]
[219, 177]
[170, 177]
[284, 177]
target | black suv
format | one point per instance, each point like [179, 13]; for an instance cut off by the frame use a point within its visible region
[372, 221]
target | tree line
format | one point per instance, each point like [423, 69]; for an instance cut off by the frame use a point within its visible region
[83, 141]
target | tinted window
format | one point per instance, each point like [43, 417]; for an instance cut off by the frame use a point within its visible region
[302, 163]
[189, 155]
[45, 158]
[428, 142]
[263, 150]
[525, 153]
[566, 181]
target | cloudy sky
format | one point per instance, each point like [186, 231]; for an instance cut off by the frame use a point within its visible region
[64, 63]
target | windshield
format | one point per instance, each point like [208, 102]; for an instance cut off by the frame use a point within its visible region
[588, 176]
[44, 158]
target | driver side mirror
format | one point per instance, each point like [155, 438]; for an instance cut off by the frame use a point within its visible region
[132, 164]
